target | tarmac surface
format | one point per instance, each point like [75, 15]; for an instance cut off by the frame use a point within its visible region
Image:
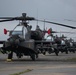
[44, 65]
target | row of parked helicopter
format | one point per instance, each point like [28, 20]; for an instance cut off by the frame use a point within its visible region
[24, 41]
[60, 44]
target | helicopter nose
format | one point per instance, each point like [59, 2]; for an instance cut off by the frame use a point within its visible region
[17, 41]
[13, 41]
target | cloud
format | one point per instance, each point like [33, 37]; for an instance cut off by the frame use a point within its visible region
[52, 10]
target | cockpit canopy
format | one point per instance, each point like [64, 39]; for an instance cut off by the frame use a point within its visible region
[19, 30]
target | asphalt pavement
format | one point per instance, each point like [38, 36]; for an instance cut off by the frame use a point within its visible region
[44, 65]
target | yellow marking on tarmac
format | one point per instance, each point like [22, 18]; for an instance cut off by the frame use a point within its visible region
[9, 60]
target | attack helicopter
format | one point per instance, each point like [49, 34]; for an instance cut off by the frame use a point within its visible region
[64, 44]
[23, 41]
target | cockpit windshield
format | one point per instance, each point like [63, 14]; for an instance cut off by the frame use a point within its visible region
[17, 30]
[20, 30]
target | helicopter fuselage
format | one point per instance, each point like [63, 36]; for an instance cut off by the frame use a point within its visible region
[24, 41]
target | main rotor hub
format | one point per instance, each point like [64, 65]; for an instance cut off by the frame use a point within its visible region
[24, 14]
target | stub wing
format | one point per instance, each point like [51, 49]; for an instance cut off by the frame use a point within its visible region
[1, 42]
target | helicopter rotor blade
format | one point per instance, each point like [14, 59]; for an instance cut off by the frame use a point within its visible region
[63, 32]
[25, 18]
[5, 20]
[16, 18]
[70, 20]
[57, 24]
[6, 17]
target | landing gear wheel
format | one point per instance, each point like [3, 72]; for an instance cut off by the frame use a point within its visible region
[10, 55]
[56, 53]
[44, 53]
[33, 57]
[37, 56]
[66, 52]
[19, 55]
[73, 51]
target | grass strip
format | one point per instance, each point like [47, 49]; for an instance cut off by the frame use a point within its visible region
[19, 73]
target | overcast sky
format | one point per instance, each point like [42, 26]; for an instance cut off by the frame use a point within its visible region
[52, 10]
